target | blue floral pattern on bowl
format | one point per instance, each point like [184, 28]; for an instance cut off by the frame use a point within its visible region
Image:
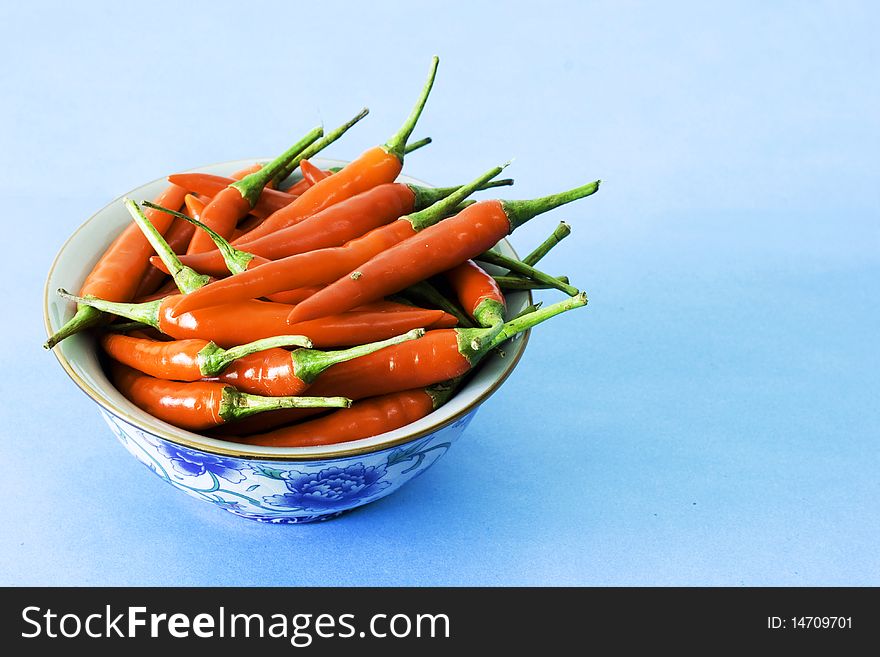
[286, 491]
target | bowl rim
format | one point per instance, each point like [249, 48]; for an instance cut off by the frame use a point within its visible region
[240, 450]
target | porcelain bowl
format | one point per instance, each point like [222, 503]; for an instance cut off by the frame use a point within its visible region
[269, 484]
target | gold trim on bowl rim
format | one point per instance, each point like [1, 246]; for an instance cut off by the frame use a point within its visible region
[238, 450]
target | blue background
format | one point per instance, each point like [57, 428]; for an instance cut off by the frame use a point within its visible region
[710, 419]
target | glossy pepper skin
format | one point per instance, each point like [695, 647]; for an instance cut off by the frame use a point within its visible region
[478, 293]
[185, 360]
[364, 419]
[436, 248]
[329, 228]
[234, 202]
[201, 405]
[432, 251]
[270, 200]
[324, 265]
[378, 165]
[118, 273]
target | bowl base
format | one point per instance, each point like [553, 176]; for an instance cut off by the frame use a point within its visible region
[286, 520]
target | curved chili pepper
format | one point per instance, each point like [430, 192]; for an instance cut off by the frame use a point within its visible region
[478, 293]
[438, 356]
[311, 173]
[178, 237]
[238, 323]
[303, 184]
[119, 271]
[186, 360]
[203, 404]
[437, 248]
[325, 265]
[271, 200]
[381, 164]
[279, 373]
[336, 225]
[235, 201]
[365, 419]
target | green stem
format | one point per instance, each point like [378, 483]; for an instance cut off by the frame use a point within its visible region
[213, 359]
[520, 283]
[562, 231]
[519, 212]
[425, 292]
[397, 144]
[85, 318]
[434, 213]
[251, 186]
[474, 343]
[523, 269]
[125, 327]
[416, 145]
[427, 196]
[237, 405]
[236, 260]
[489, 313]
[440, 393]
[309, 363]
[186, 279]
[529, 309]
[317, 147]
[146, 313]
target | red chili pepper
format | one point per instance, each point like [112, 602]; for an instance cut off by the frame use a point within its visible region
[478, 293]
[270, 201]
[186, 360]
[325, 265]
[378, 165]
[435, 249]
[367, 418]
[120, 269]
[279, 373]
[334, 226]
[234, 202]
[438, 356]
[238, 323]
[311, 173]
[202, 404]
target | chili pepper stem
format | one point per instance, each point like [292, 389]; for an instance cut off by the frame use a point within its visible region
[397, 144]
[562, 231]
[520, 283]
[416, 145]
[528, 309]
[251, 186]
[318, 146]
[186, 279]
[440, 393]
[474, 343]
[146, 313]
[309, 363]
[213, 359]
[85, 317]
[427, 196]
[520, 267]
[427, 293]
[519, 212]
[236, 260]
[236, 405]
[431, 215]
[490, 314]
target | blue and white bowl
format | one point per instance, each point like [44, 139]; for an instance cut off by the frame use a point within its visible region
[270, 484]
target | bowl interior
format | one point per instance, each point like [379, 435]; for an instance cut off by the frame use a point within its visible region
[78, 354]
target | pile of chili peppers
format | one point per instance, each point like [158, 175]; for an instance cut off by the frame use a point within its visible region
[288, 308]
